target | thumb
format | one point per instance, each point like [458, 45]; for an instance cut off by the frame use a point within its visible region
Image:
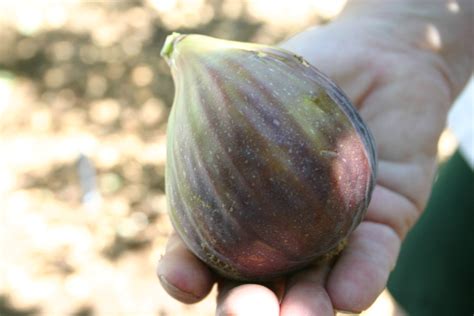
[331, 50]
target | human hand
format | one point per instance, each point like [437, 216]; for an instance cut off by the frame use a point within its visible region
[403, 92]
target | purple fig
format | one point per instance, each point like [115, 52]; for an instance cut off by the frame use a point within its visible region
[269, 166]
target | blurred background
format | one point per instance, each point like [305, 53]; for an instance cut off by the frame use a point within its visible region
[84, 98]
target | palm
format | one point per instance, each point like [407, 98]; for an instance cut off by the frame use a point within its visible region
[389, 85]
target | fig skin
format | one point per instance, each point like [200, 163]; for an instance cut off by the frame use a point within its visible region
[269, 166]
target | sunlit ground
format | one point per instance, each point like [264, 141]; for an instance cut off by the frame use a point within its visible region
[84, 99]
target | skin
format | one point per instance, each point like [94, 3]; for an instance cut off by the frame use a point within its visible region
[402, 64]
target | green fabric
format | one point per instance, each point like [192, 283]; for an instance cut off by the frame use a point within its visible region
[435, 271]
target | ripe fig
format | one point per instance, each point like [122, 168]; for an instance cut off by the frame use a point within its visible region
[269, 166]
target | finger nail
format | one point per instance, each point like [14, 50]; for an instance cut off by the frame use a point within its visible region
[183, 296]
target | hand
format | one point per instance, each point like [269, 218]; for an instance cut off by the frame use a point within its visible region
[403, 93]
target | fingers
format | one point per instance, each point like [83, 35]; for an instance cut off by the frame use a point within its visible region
[411, 180]
[183, 275]
[306, 294]
[362, 271]
[246, 300]
[390, 208]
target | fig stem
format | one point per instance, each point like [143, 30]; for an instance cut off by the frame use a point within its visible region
[168, 46]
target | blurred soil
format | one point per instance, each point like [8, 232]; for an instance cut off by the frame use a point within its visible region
[84, 98]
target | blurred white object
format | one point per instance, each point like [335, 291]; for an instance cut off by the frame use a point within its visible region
[461, 122]
[91, 197]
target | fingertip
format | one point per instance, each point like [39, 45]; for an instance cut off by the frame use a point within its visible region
[183, 275]
[306, 294]
[180, 294]
[247, 300]
[362, 271]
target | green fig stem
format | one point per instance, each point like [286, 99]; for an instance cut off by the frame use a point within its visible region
[170, 42]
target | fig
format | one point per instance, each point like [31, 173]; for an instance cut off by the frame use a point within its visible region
[269, 166]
